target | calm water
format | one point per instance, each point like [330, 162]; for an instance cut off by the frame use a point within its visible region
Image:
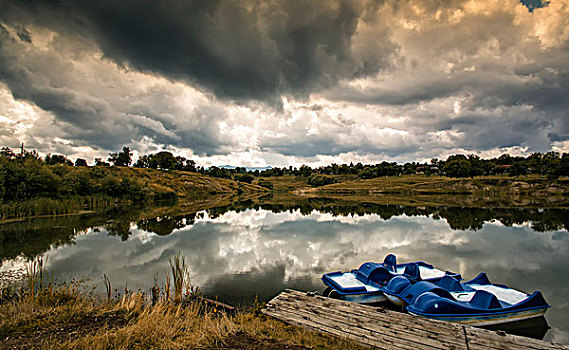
[236, 253]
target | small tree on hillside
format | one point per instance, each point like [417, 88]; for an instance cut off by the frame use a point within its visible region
[100, 162]
[53, 159]
[80, 162]
[162, 160]
[6, 152]
[123, 158]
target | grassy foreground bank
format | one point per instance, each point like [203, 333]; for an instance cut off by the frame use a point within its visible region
[43, 315]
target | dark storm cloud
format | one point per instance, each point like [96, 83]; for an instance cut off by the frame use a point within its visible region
[412, 78]
[98, 105]
[237, 49]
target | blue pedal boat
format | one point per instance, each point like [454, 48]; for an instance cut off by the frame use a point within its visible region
[365, 284]
[477, 302]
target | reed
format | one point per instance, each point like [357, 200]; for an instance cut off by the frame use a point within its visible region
[62, 317]
[52, 206]
[108, 288]
[35, 277]
[180, 276]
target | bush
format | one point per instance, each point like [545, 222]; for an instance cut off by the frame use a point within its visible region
[265, 184]
[244, 178]
[316, 180]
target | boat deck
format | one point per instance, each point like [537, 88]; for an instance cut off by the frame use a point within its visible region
[386, 329]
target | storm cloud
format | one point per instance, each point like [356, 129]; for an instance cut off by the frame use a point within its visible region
[283, 82]
[237, 49]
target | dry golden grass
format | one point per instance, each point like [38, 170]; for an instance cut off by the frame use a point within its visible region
[84, 323]
[183, 183]
[422, 190]
[44, 316]
[162, 326]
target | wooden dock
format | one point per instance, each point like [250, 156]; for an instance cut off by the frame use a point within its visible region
[386, 329]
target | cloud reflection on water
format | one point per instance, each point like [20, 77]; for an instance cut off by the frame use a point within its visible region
[238, 255]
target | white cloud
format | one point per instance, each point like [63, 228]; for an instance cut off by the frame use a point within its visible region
[475, 77]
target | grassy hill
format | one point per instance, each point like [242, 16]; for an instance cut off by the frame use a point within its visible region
[494, 191]
[422, 184]
[184, 184]
[39, 189]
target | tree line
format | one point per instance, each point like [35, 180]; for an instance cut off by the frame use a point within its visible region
[550, 164]
[26, 174]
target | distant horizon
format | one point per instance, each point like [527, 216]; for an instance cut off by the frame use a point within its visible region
[269, 167]
[281, 83]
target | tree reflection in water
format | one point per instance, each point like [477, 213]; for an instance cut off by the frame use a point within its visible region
[34, 237]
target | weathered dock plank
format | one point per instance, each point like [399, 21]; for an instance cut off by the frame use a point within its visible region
[386, 329]
[366, 322]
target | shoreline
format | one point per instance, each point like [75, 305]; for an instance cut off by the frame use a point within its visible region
[409, 190]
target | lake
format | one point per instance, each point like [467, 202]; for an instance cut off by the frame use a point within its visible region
[245, 250]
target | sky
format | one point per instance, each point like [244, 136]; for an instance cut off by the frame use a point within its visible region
[285, 82]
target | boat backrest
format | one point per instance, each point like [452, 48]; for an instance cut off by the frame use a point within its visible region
[412, 272]
[450, 284]
[380, 275]
[389, 262]
[485, 300]
[396, 285]
[373, 272]
[410, 293]
[482, 279]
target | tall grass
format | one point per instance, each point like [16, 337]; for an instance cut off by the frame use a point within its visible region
[180, 276]
[108, 288]
[38, 279]
[51, 207]
[61, 317]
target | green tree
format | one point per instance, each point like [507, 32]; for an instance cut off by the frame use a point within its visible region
[53, 159]
[6, 152]
[100, 162]
[266, 184]
[305, 170]
[143, 162]
[185, 164]
[457, 168]
[111, 186]
[476, 165]
[123, 158]
[505, 159]
[535, 163]
[517, 169]
[563, 168]
[80, 162]
[162, 160]
[244, 178]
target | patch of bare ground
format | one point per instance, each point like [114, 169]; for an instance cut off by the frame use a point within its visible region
[76, 327]
[242, 340]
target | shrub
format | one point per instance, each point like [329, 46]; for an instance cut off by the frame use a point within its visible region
[316, 180]
[244, 178]
[265, 184]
